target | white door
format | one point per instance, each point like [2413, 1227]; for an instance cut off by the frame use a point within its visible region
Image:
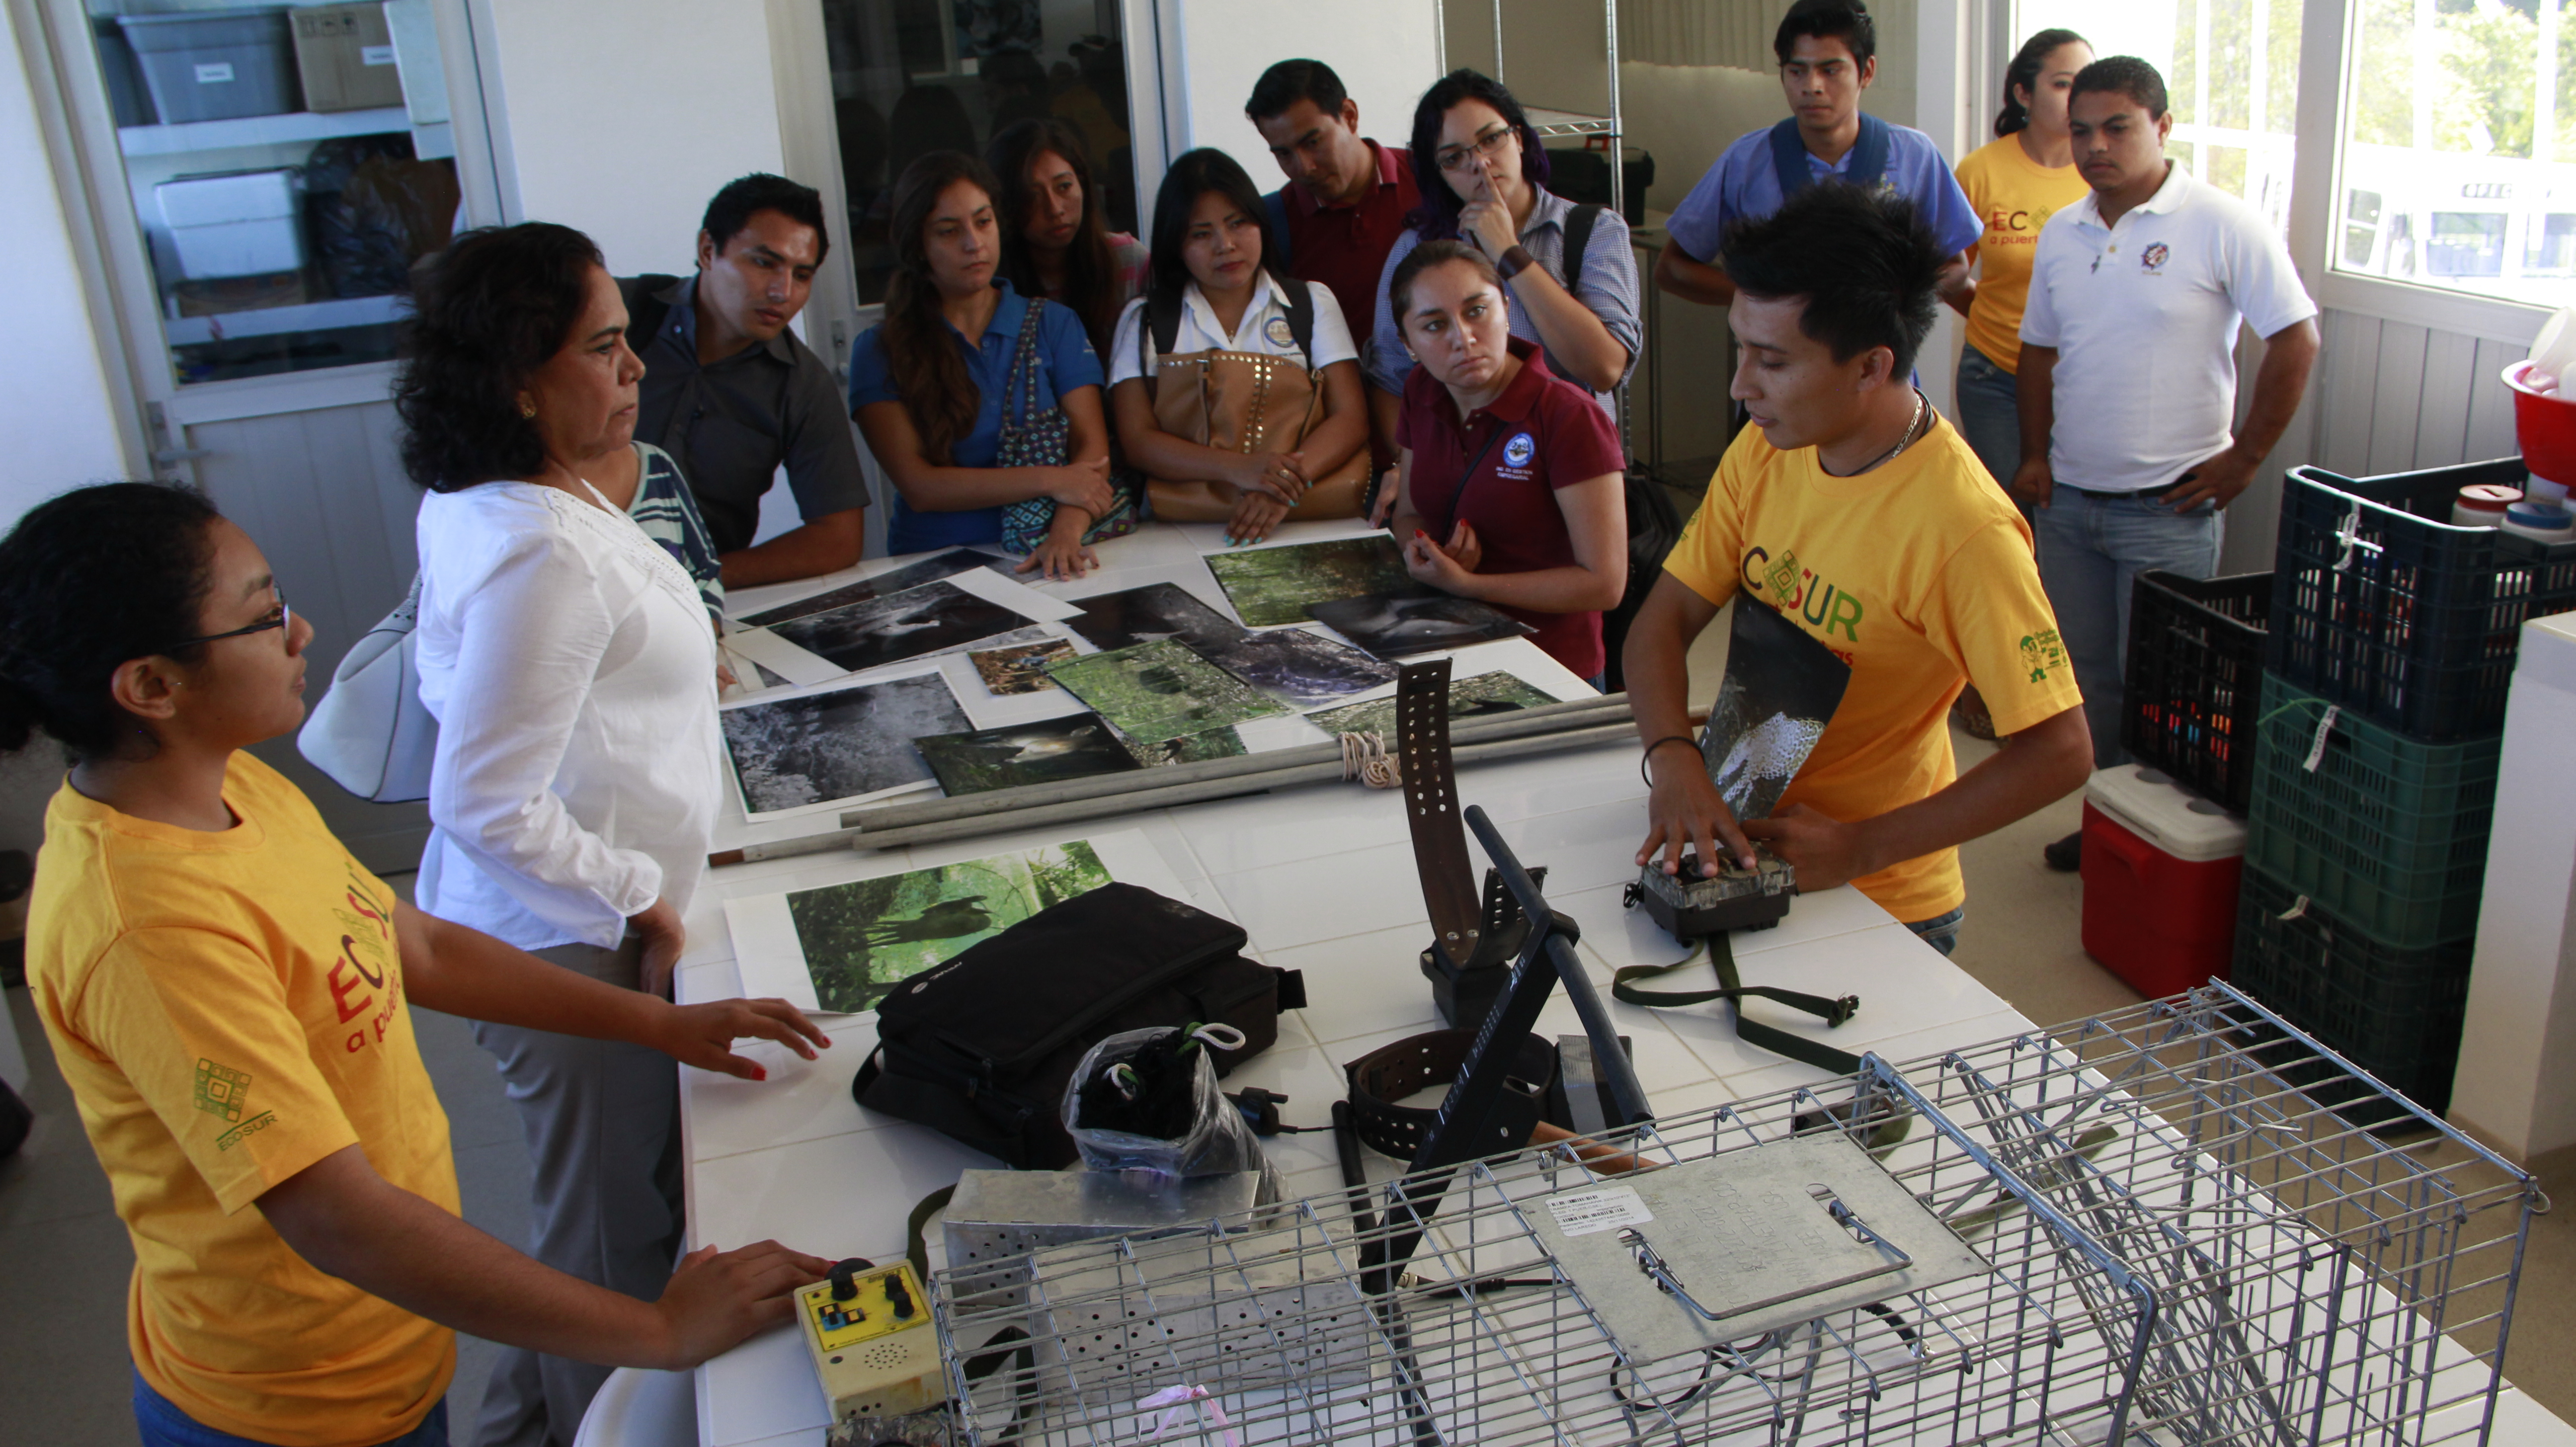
[258, 183]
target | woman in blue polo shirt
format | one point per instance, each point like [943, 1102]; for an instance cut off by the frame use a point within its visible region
[1509, 482]
[927, 384]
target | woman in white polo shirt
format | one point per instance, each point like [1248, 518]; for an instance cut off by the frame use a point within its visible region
[1235, 389]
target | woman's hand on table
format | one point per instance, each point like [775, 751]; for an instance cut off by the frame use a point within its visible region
[703, 1035]
[1083, 483]
[1442, 566]
[715, 1300]
[1062, 555]
[1825, 851]
[1255, 514]
[659, 928]
[1683, 811]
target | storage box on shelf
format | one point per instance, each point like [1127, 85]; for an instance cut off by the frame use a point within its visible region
[2382, 606]
[345, 57]
[2395, 1012]
[2195, 676]
[213, 65]
[2389, 833]
[242, 223]
[2160, 872]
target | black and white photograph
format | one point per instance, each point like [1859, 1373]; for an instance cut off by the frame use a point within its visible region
[1150, 614]
[932, 618]
[847, 745]
[911, 575]
[1049, 751]
[1780, 689]
[1300, 669]
[1402, 627]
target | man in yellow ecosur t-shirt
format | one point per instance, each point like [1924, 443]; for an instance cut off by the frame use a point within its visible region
[1851, 508]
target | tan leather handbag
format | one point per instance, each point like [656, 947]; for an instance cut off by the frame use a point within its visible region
[1247, 403]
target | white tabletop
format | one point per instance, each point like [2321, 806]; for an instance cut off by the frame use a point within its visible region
[1322, 879]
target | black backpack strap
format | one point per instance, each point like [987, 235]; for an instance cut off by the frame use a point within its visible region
[1789, 159]
[1578, 239]
[1299, 300]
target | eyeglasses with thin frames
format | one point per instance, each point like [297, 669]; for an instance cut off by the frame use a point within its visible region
[280, 619]
[1489, 145]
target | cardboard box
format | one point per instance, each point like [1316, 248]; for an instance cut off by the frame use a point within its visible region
[345, 54]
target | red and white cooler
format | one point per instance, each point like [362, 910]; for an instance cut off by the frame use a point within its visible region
[2161, 869]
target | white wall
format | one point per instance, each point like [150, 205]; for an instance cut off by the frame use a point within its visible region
[55, 407]
[621, 117]
[1384, 51]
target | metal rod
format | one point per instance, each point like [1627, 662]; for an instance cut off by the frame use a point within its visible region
[994, 801]
[968, 826]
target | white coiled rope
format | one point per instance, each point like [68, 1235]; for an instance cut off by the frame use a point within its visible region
[1365, 758]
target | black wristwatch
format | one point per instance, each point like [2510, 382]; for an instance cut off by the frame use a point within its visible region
[1513, 262]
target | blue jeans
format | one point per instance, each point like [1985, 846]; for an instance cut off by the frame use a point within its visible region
[164, 1425]
[1990, 416]
[2092, 547]
[1941, 931]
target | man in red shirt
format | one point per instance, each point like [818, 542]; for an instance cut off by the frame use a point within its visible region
[1346, 197]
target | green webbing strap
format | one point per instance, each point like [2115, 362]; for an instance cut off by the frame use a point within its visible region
[1731, 988]
[914, 1248]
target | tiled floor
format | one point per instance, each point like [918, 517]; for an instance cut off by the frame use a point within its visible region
[63, 1372]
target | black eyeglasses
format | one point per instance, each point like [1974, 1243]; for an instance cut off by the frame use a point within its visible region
[279, 619]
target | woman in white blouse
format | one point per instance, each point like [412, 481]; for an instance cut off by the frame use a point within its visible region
[570, 663]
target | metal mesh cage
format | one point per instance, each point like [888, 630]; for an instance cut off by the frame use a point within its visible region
[2155, 1241]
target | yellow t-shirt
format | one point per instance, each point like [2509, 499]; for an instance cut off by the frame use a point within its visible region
[1917, 573]
[2015, 195]
[228, 1009]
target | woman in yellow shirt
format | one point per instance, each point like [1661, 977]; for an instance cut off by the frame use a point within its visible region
[2016, 181]
[225, 989]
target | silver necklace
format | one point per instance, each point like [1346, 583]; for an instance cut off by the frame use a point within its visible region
[1921, 404]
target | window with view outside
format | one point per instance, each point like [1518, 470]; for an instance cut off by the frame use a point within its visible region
[2231, 68]
[2458, 167]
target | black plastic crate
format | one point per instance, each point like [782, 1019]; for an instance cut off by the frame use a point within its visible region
[2381, 605]
[2395, 1013]
[2195, 679]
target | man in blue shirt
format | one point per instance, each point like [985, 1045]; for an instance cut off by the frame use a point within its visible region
[1828, 52]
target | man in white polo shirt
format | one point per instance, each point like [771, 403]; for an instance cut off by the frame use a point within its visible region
[2130, 337]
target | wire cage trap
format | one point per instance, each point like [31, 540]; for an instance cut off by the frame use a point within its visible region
[2128, 1230]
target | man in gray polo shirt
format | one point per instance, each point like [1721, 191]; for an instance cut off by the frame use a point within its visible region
[731, 393]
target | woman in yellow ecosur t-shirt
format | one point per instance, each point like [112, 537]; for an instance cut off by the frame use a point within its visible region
[225, 988]
[2016, 182]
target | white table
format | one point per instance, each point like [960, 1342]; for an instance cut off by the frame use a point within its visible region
[1322, 879]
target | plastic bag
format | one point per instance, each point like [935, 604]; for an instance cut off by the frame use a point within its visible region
[1147, 1100]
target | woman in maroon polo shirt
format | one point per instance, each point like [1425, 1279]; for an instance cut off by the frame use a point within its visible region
[1509, 477]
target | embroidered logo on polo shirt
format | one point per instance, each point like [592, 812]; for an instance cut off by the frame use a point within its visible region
[1520, 449]
[2041, 652]
[1277, 330]
[2152, 260]
[221, 1090]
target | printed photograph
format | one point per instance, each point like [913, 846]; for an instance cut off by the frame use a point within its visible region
[912, 575]
[1402, 627]
[1222, 743]
[1282, 585]
[1021, 669]
[1300, 669]
[932, 618]
[1159, 691]
[1150, 614]
[1049, 751]
[851, 743]
[1477, 697]
[1780, 689]
[863, 939]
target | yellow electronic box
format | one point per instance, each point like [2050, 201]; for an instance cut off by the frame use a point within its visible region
[870, 1333]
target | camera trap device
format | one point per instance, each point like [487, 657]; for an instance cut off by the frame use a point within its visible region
[1690, 907]
[873, 1344]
